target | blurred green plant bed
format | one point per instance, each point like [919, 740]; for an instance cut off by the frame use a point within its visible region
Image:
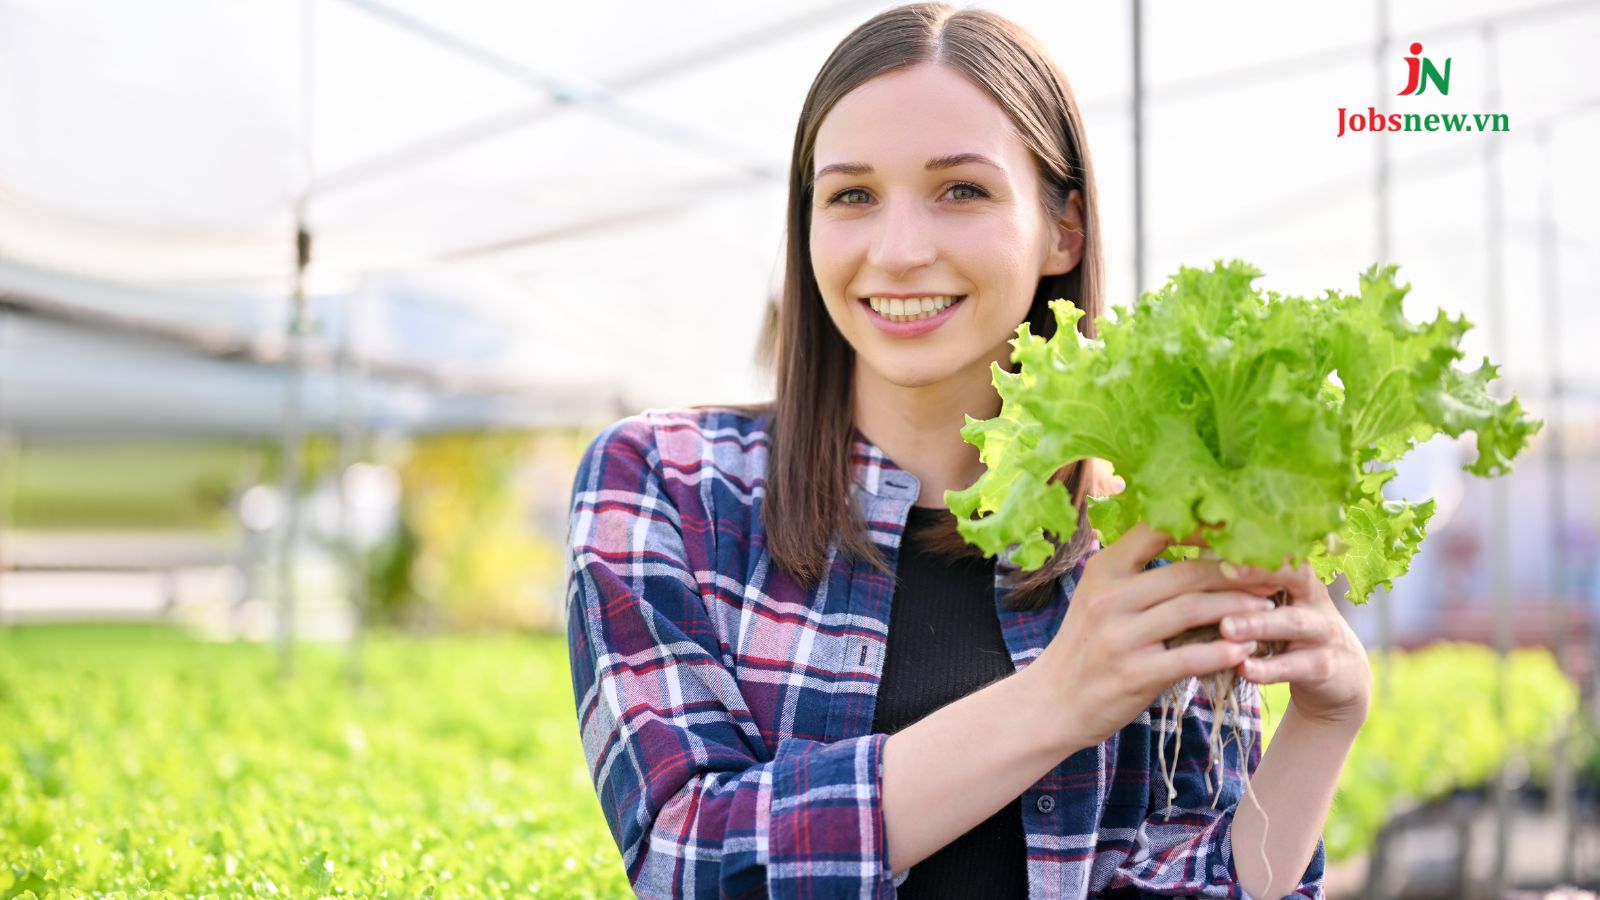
[135, 761]
[152, 485]
[1434, 730]
[477, 542]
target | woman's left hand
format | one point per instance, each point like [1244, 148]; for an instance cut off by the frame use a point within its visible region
[1322, 660]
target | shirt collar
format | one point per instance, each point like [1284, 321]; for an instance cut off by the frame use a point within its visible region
[878, 475]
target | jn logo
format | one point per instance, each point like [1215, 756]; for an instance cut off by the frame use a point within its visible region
[1420, 71]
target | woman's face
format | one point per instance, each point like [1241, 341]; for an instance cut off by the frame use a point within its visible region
[896, 212]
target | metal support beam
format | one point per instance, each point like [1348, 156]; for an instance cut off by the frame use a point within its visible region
[1139, 281]
[1499, 490]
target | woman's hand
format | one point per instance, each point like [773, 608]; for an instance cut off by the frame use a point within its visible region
[1323, 660]
[1109, 661]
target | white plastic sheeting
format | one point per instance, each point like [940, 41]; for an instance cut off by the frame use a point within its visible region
[586, 200]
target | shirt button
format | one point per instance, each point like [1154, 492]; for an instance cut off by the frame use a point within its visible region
[1045, 804]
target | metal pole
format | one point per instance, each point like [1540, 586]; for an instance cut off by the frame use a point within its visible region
[1383, 612]
[1561, 805]
[293, 434]
[294, 362]
[352, 415]
[1139, 281]
[1381, 190]
[8, 461]
[1499, 496]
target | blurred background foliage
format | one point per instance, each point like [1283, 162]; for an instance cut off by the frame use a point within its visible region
[481, 538]
[1433, 729]
[477, 539]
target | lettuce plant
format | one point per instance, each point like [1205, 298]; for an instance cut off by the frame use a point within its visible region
[1263, 421]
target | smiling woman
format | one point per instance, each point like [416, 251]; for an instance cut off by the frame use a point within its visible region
[794, 677]
[939, 156]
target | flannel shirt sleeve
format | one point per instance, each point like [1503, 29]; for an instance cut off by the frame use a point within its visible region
[696, 802]
[1190, 852]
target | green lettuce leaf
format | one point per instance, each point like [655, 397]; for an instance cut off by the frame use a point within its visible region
[1266, 422]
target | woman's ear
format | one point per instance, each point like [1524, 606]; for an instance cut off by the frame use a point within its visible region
[1067, 250]
[1103, 482]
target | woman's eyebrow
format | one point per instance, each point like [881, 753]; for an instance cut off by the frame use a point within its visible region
[938, 162]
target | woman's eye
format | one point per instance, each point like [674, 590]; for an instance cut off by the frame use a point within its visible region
[977, 191]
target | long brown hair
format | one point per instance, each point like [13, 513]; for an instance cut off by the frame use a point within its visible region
[808, 486]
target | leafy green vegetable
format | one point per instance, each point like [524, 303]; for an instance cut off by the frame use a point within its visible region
[1219, 407]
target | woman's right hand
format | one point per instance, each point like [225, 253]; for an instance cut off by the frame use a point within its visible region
[1109, 661]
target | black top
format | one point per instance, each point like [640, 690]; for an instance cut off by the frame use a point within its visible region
[944, 643]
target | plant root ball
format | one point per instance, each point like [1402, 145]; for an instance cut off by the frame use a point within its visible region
[1219, 690]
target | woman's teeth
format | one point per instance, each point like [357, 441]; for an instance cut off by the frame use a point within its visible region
[897, 310]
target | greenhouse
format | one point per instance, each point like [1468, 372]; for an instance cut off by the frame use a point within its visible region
[471, 449]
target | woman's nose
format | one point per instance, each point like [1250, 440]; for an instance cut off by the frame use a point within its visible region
[902, 241]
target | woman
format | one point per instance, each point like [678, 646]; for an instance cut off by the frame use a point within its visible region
[792, 675]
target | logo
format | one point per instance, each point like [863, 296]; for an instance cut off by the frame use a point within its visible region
[1420, 70]
[1421, 73]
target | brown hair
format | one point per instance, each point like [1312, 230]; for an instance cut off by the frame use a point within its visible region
[808, 498]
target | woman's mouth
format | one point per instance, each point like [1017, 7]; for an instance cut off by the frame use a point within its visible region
[913, 309]
[913, 316]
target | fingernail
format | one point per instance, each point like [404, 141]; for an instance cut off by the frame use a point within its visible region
[1229, 570]
[1250, 648]
[1265, 605]
[1232, 627]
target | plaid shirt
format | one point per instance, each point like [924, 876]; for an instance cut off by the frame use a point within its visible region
[726, 712]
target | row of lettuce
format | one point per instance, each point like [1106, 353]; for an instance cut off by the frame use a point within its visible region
[142, 762]
[137, 760]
